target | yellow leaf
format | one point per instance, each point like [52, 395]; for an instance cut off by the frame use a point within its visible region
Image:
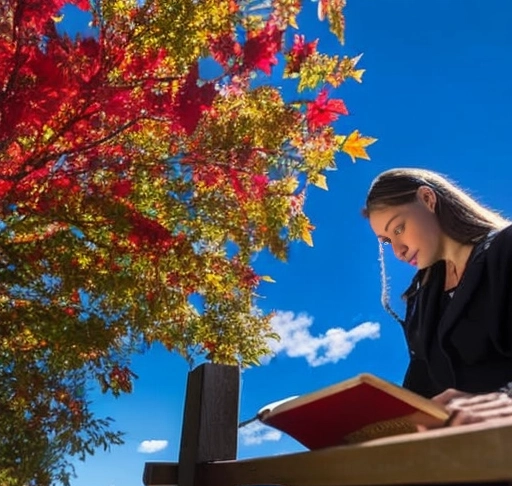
[320, 181]
[267, 278]
[358, 75]
[291, 184]
[214, 280]
[293, 21]
[355, 145]
[306, 235]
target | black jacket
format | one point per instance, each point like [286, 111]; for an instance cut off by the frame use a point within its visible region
[463, 342]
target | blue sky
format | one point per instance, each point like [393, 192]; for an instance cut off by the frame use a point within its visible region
[437, 95]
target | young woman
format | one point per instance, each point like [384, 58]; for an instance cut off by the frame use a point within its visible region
[458, 320]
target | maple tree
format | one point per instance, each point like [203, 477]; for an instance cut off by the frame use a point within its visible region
[134, 191]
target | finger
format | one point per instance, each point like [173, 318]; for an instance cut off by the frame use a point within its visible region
[448, 395]
[482, 397]
[501, 412]
[462, 417]
[480, 402]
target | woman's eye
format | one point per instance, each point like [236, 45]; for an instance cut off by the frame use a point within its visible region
[385, 241]
[399, 229]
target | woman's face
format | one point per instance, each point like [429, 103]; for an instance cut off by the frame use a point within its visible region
[412, 229]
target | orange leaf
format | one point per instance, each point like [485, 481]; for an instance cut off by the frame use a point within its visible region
[355, 145]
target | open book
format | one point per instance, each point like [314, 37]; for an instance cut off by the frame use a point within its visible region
[358, 409]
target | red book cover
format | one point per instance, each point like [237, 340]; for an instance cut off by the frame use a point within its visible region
[358, 409]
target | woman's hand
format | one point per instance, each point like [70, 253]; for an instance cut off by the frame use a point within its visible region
[467, 408]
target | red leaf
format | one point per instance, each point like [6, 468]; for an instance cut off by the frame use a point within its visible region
[5, 187]
[224, 48]
[6, 59]
[323, 111]
[122, 188]
[36, 13]
[193, 100]
[237, 185]
[82, 4]
[259, 183]
[149, 234]
[260, 50]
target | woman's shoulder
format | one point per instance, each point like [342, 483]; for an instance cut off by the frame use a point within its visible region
[506, 232]
[499, 240]
[496, 250]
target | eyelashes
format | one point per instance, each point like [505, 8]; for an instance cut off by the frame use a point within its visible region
[398, 230]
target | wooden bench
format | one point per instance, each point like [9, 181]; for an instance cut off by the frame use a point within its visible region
[473, 454]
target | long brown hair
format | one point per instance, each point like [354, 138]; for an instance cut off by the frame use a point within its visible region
[460, 216]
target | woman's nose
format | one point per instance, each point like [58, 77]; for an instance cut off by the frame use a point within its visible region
[400, 250]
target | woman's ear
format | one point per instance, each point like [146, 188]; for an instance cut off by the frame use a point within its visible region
[427, 196]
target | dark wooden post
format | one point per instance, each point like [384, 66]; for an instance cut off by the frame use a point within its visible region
[210, 426]
[210, 423]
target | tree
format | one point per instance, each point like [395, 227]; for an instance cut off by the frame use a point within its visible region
[134, 191]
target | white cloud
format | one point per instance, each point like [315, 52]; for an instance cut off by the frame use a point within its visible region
[298, 342]
[152, 446]
[255, 433]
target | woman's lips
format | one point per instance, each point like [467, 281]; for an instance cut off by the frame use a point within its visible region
[414, 259]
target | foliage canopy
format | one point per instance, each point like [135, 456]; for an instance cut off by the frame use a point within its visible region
[134, 191]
